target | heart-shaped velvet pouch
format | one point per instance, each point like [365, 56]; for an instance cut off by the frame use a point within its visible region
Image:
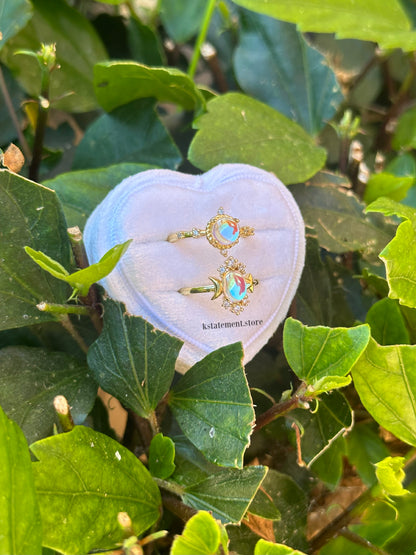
[151, 206]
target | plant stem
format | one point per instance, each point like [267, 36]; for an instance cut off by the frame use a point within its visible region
[64, 308]
[175, 506]
[171, 487]
[358, 540]
[13, 116]
[201, 37]
[68, 325]
[279, 409]
[63, 411]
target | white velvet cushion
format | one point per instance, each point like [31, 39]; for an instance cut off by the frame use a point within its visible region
[148, 206]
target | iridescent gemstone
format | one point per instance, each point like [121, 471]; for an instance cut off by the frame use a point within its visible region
[226, 231]
[235, 286]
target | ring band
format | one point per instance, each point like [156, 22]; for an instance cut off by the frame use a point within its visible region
[222, 231]
[234, 284]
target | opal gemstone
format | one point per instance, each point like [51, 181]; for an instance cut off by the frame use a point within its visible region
[226, 231]
[235, 286]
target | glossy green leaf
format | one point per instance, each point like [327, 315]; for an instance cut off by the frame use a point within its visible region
[131, 133]
[81, 191]
[338, 219]
[31, 377]
[364, 448]
[21, 526]
[405, 132]
[182, 19]
[387, 323]
[399, 255]
[54, 21]
[133, 361]
[321, 295]
[369, 20]
[264, 547]
[201, 536]
[213, 406]
[81, 280]
[29, 215]
[385, 379]
[387, 185]
[276, 65]
[390, 475]
[228, 494]
[238, 128]
[118, 83]
[321, 352]
[161, 456]
[83, 480]
[320, 430]
[13, 17]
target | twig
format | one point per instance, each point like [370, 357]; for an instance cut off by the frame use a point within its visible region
[201, 37]
[68, 325]
[13, 116]
[358, 540]
[279, 409]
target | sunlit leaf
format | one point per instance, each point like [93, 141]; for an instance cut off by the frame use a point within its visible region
[161, 456]
[21, 526]
[83, 480]
[321, 352]
[264, 547]
[390, 474]
[387, 323]
[118, 83]
[201, 536]
[238, 128]
[385, 379]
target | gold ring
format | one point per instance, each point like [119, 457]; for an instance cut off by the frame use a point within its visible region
[234, 284]
[222, 231]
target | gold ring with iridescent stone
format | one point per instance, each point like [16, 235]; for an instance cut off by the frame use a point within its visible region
[222, 231]
[233, 283]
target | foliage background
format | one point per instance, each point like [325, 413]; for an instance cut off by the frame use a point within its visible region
[312, 453]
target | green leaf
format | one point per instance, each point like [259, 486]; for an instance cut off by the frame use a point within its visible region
[264, 547]
[21, 527]
[320, 430]
[145, 45]
[161, 456]
[329, 466]
[131, 133]
[399, 255]
[29, 215]
[364, 449]
[390, 475]
[386, 24]
[385, 379]
[133, 361]
[387, 323]
[337, 216]
[81, 280]
[201, 536]
[228, 494]
[8, 131]
[390, 207]
[31, 377]
[84, 479]
[238, 128]
[320, 352]
[387, 185]
[54, 21]
[213, 406]
[13, 17]
[264, 507]
[405, 132]
[182, 19]
[276, 65]
[81, 191]
[118, 83]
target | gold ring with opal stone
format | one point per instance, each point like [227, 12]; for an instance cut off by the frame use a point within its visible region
[233, 284]
[222, 231]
